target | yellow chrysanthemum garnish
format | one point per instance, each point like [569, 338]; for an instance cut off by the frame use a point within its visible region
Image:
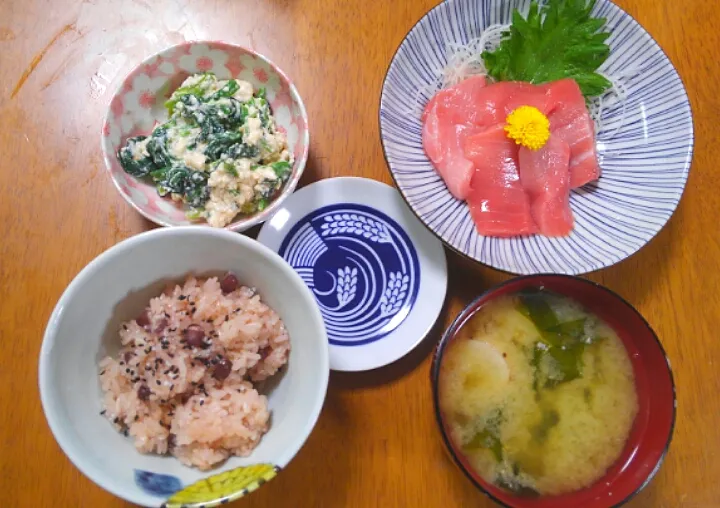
[528, 127]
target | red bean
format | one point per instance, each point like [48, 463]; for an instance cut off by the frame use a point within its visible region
[229, 283]
[194, 336]
[161, 326]
[222, 369]
[143, 392]
[143, 319]
[264, 352]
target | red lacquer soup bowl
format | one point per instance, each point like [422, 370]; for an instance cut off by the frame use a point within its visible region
[653, 427]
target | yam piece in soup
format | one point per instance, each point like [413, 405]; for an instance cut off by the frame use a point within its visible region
[538, 394]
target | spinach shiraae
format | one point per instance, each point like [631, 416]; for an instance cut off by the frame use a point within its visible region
[219, 152]
[532, 385]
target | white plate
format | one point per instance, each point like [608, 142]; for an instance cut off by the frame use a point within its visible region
[379, 276]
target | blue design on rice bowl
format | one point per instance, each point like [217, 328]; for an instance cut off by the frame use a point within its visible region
[155, 484]
[644, 149]
[361, 266]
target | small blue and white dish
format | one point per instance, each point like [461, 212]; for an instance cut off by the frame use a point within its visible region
[379, 276]
[645, 162]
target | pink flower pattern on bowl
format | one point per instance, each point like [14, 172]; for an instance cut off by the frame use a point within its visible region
[138, 105]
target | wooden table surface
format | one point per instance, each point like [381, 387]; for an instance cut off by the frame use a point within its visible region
[376, 443]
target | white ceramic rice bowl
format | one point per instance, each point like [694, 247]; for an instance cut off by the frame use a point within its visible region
[115, 287]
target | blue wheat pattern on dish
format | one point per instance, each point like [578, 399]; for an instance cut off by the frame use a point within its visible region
[357, 225]
[395, 294]
[366, 276]
[645, 164]
[346, 285]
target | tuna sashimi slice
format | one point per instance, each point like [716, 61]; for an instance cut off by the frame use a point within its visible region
[544, 174]
[570, 121]
[442, 140]
[498, 203]
[458, 99]
[474, 102]
[496, 101]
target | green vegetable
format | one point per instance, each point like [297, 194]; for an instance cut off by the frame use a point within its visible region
[197, 90]
[489, 437]
[241, 150]
[557, 357]
[195, 214]
[550, 418]
[558, 40]
[220, 143]
[137, 168]
[180, 179]
[228, 90]
[230, 169]
[574, 329]
[534, 306]
[212, 121]
[282, 169]
[157, 147]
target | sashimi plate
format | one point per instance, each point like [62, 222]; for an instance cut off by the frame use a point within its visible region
[644, 147]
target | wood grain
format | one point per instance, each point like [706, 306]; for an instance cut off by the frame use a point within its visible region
[376, 443]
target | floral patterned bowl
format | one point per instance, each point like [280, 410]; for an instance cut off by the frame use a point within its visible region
[138, 105]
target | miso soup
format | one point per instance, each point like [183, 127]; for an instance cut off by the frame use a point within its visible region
[538, 394]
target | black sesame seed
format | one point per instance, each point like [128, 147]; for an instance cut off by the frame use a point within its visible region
[122, 363]
[127, 371]
[182, 297]
[172, 385]
[103, 412]
[125, 327]
[227, 318]
[137, 417]
[158, 382]
[166, 315]
[202, 401]
[116, 419]
[125, 432]
[209, 320]
[102, 372]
